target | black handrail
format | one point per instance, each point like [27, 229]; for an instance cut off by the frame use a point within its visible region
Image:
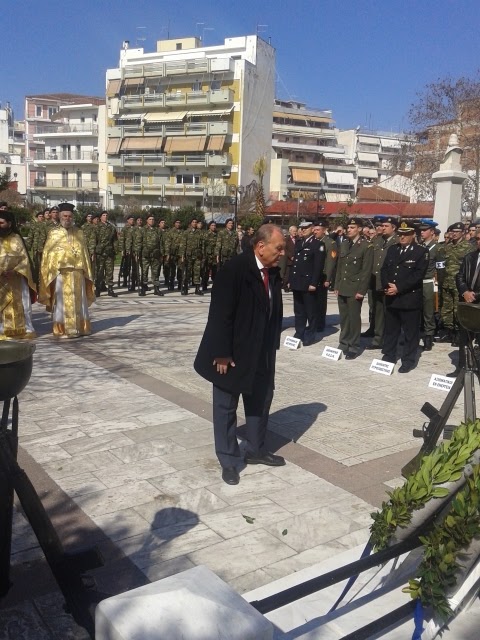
[388, 620]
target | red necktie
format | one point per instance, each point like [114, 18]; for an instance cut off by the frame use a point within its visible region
[265, 280]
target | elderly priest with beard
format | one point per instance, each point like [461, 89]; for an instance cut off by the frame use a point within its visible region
[66, 280]
[16, 282]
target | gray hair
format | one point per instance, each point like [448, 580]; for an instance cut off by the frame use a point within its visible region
[264, 233]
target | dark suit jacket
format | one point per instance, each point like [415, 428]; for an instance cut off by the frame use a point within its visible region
[289, 249]
[240, 324]
[406, 272]
[465, 275]
[308, 264]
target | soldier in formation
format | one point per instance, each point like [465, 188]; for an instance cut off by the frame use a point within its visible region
[210, 257]
[105, 250]
[227, 244]
[129, 266]
[428, 237]
[148, 244]
[173, 258]
[191, 250]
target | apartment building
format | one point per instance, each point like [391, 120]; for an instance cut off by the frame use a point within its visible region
[12, 147]
[63, 134]
[186, 123]
[307, 160]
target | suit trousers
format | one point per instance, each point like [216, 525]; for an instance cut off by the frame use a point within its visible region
[305, 308]
[350, 310]
[378, 308]
[396, 320]
[322, 298]
[257, 410]
[429, 309]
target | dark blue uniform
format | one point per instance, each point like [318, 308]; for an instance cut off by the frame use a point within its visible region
[406, 268]
[307, 270]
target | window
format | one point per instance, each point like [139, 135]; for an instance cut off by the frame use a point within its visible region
[82, 119]
[94, 176]
[38, 111]
[52, 111]
[78, 152]
[215, 85]
[197, 85]
[178, 46]
[64, 178]
[188, 178]
[79, 179]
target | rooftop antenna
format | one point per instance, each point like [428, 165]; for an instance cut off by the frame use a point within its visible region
[140, 36]
[197, 30]
[203, 35]
[261, 28]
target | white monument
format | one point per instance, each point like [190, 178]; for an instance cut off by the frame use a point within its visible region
[449, 179]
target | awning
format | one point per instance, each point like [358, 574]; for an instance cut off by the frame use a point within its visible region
[367, 173]
[339, 178]
[368, 157]
[390, 144]
[165, 117]
[334, 156]
[131, 116]
[148, 144]
[113, 88]
[216, 143]
[133, 82]
[210, 113]
[368, 140]
[185, 143]
[310, 176]
[113, 146]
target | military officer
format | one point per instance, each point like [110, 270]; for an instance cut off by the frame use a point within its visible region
[331, 254]
[130, 268]
[162, 231]
[451, 255]
[370, 332]
[105, 251]
[151, 251]
[209, 260]
[172, 249]
[428, 237]
[227, 243]
[306, 276]
[191, 257]
[381, 244]
[354, 268]
[402, 276]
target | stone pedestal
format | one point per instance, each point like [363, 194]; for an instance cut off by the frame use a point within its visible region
[192, 605]
[449, 180]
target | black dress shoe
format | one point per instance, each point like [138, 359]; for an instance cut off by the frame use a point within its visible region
[342, 349]
[351, 355]
[369, 333]
[372, 347]
[265, 458]
[405, 368]
[230, 475]
[427, 343]
[453, 374]
[387, 359]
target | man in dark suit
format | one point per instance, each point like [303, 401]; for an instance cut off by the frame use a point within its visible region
[305, 280]
[238, 349]
[290, 241]
[402, 276]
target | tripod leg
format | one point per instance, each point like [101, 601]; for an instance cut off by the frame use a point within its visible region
[469, 396]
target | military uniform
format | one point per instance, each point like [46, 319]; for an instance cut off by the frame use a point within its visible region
[191, 253]
[354, 268]
[90, 235]
[36, 240]
[306, 271]
[151, 251]
[227, 244]
[331, 255]
[129, 260]
[172, 248]
[429, 323]
[163, 261]
[105, 250]
[405, 267]
[209, 257]
[451, 254]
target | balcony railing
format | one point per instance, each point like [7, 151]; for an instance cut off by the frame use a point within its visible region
[172, 129]
[174, 160]
[89, 185]
[162, 69]
[218, 96]
[67, 156]
[81, 127]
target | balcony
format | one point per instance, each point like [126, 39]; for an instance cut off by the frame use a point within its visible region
[66, 185]
[177, 160]
[172, 129]
[191, 98]
[178, 68]
[138, 160]
[59, 130]
[184, 190]
[88, 157]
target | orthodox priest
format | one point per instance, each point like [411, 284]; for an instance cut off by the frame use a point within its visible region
[66, 279]
[16, 282]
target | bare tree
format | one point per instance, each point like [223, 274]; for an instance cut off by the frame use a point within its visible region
[260, 167]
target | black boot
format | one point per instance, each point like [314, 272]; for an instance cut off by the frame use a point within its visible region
[427, 343]
[369, 333]
[97, 292]
[185, 290]
[157, 292]
[141, 291]
[198, 291]
[454, 373]
[103, 287]
[112, 293]
[455, 339]
[445, 336]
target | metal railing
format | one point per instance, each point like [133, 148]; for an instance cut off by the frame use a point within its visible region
[40, 183]
[67, 156]
[81, 127]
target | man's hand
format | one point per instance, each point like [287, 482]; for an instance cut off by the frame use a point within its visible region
[326, 284]
[222, 364]
[312, 288]
[469, 296]
[359, 296]
[391, 289]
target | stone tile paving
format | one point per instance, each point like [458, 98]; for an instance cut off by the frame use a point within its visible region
[143, 468]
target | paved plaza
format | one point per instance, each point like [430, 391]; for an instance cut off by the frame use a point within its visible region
[116, 434]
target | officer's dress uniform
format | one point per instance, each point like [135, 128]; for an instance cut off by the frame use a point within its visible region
[354, 268]
[405, 267]
[380, 248]
[331, 254]
[307, 269]
[429, 323]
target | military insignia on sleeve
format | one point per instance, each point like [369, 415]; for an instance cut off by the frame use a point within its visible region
[333, 253]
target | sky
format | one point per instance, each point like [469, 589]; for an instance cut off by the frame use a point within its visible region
[364, 60]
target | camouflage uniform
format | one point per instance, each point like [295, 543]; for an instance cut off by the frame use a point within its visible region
[105, 249]
[172, 249]
[209, 257]
[151, 251]
[130, 267]
[226, 248]
[163, 263]
[39, 237]
[452, 255]
[191, 255]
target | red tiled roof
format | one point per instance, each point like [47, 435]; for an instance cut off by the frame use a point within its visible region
[309, 209]
[69, 98]
[376, 193]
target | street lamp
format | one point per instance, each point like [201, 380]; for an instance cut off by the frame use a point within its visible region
[236, 190]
